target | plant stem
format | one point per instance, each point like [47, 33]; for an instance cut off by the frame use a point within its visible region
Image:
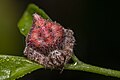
[75, 59]
[94, 69]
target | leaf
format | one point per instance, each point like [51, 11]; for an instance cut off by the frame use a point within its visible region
[26, 21]
[12, 67]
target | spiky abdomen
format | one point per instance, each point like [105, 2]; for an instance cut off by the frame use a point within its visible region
[48, 43]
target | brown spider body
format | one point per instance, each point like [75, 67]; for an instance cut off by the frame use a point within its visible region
[48, 43]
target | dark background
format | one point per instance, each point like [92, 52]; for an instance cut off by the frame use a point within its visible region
[96, 27]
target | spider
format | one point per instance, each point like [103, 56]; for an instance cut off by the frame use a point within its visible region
[48, 43]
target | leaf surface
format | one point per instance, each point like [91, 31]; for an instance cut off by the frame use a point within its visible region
[12, 67]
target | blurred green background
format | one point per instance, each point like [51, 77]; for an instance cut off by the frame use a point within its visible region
[11, 41]
[96, 27]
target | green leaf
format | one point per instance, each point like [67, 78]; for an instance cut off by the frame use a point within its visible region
[13, 67]
[26, 21]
